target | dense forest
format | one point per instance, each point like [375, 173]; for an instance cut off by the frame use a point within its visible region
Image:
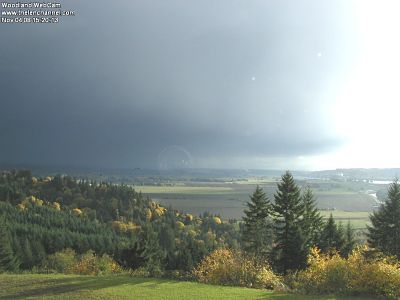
[46, 215]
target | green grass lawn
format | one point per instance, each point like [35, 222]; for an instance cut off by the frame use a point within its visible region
[125, 287]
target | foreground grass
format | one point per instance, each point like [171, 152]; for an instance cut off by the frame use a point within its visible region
[125, 287]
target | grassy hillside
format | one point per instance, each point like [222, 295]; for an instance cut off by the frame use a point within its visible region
[125, 287]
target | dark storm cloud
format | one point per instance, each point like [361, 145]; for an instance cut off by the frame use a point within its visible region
[122, 80]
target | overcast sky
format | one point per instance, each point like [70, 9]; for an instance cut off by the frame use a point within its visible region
[219, 84]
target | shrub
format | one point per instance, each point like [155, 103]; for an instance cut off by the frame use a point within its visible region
[91, 264]
[225, 267]
[378, 276]
[330, 273]
[60, 261]
[107, 265]
[326, 274]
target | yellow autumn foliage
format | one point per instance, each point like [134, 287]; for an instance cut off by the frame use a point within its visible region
[91, 264]
[159, 211]
[32, 200]
[180, 225]
[132, 227]
[21, 206]
[125, 227]
[327, 274]
[154, 211]
[77, 211]
[217, 220]
[118, 225]
[189, 217]
[225, 267]
[56, 206]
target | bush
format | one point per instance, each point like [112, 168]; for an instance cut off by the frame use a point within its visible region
[107, 265]
[330, 273]
[60, 261]
[379, 276]
[91, 264]
[225, 267]
[67, 261]
[325, 274]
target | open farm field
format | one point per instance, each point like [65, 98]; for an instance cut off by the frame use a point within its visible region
[346, 202]
[228, 199]
[358, 219]
[183, 189]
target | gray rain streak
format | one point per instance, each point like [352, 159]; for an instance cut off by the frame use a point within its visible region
[123, 80]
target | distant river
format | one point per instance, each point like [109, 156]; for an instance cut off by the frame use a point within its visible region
[381, 182]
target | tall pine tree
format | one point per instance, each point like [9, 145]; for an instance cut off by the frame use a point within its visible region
[151, 251]
[258, 230]
[312, 220]
[384, 234]
[291, 244]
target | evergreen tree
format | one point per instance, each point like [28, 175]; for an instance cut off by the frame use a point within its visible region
[332, 236]
[27, 256]
[185, 254]
[350, 241]
[312, 219]
[341, 240]
[167, 243]
[257, 230]
[291, 244]
[131, 257]
[384, 234]
[8, 260]
[38, 251]
[151, 251]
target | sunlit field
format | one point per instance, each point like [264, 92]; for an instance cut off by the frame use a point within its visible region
[126, 287]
